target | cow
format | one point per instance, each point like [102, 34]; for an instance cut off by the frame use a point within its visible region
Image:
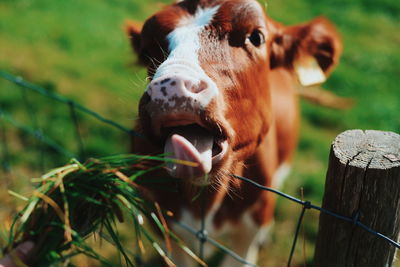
[222, 95]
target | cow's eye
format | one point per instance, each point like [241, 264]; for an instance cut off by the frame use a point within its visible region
[257, 38]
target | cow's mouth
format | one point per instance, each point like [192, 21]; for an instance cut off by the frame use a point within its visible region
[187, 141]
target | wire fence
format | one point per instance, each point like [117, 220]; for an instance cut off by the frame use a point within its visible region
[200, 234]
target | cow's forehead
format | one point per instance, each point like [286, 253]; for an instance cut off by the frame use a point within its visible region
[228, 13]
[202, 17]
[190, 29]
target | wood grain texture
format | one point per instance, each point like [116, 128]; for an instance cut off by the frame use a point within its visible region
[363, 179]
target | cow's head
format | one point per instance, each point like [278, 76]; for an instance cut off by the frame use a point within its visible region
[209, 97]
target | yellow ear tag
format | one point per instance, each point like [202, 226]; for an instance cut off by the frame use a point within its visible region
[308, 71]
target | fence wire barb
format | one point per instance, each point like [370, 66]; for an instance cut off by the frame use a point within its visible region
[200, 234]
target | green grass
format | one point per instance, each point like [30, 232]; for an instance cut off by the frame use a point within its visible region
[79, 201]
[78, 48]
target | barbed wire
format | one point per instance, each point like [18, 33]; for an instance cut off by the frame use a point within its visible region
[203, 236]
[62, 99]
[36, 133]
[307, 205]
[200, 234]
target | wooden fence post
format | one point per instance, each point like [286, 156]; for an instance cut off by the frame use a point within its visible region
[362, 182]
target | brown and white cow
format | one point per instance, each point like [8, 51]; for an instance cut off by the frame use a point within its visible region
[223, 95]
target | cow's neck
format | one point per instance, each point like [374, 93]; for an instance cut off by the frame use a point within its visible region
[243, 195]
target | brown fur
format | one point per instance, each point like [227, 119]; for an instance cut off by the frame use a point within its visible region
[257, 109]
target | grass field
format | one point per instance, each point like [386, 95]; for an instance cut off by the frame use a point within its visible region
[78, 49]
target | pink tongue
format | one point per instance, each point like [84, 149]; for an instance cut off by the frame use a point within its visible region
[189, 143]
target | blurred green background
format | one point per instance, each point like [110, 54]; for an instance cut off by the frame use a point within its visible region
[79, 49]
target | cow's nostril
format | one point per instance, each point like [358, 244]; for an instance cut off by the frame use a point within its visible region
[199, 87]
[188, 85]
[163, 88]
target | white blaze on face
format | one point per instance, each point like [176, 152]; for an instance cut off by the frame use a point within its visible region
[189, 143]
[184, 46]
[184, 41]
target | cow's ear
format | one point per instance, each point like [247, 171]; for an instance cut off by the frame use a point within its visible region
[133, 30]
[311, 50]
